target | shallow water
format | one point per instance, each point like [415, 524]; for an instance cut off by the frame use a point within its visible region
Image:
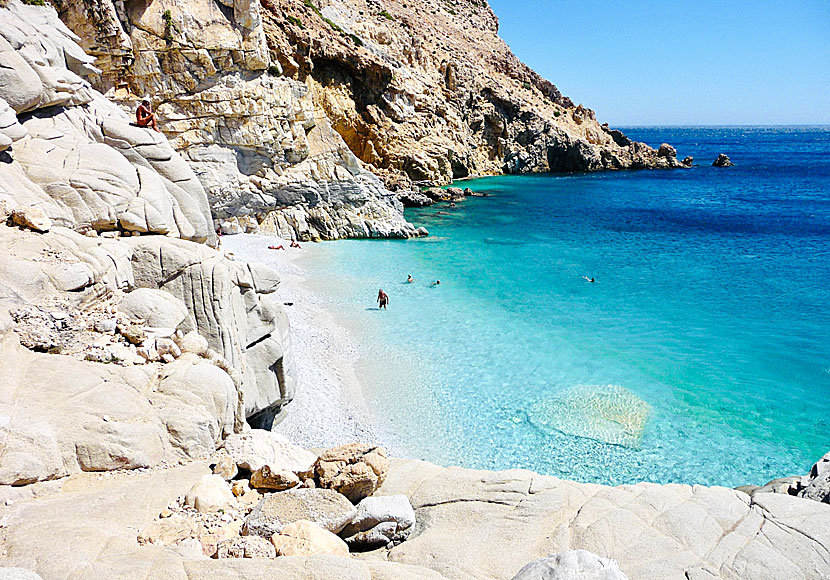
[700, 355]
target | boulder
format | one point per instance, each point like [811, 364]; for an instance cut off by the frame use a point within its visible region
[33, 218]
[437, 194]
[723, 161]
[257, 448]
[231, 228]
[414, 199]
[325, 508]
[688, 161]
[356, 470]
[246, 547]
[304, 538]
[157, 308]
[456, 193]
[210, 494]
[573, 565]
[195, 343]
[380, 521]
[224, 466]
[274, 479]
[667, 151]
[817, 482]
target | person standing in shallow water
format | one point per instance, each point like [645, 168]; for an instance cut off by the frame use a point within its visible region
[383, 299]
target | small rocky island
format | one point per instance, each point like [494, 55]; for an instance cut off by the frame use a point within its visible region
[143, 367]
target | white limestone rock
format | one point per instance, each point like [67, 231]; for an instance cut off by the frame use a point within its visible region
[256, 448]
[210, 494]
[156, 308]
[573, 565]
[33, 218]
[379, 521]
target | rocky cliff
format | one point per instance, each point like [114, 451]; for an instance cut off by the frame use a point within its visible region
[126, 340]
[262, 146]
[288, 109]
[425, 90]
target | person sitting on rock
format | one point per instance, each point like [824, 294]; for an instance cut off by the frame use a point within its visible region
[144, 116]
[280, 247]
[294, 244]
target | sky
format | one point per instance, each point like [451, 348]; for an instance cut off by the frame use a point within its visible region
[638, 62]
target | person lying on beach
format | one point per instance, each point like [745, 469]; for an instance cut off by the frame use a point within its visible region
[294, 244]
[280, 247]
[410, 279]
[588, 279]
[436, 283]
[144, 116]
[383, 299]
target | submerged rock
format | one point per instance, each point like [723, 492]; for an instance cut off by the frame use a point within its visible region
[607, 413]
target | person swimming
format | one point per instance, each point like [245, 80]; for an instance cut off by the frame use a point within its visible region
[436, 283]
[410, 279]
[586, 278]
[383, 299]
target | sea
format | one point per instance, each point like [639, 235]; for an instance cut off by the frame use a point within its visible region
[699, 354]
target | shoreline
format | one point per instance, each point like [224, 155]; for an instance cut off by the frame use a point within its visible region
[329, 406]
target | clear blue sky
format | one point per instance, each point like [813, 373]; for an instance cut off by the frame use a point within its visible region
[689, 63]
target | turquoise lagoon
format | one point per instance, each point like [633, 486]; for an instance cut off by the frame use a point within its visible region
[701, 354]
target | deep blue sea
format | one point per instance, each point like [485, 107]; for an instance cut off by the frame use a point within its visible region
[701, 354]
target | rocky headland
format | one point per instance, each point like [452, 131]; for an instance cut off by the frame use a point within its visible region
[143, 366]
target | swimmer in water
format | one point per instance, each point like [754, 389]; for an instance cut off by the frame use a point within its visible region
[588, 279]
[410, 279]
[383, 299]
[436, 283]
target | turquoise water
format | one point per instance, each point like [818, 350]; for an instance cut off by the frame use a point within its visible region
[700, 355]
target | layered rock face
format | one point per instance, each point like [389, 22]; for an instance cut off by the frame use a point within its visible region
[75, 155]
[120, 348]
[282, 106]
[426, 90]
[261, 146]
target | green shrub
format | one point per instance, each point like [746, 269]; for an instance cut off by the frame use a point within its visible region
[167, 18]
[385, 14]
[296, 21]
[556, 113]
[34, 2]
[333, 25]
[274, 71]
[526, 85]
[356, 39]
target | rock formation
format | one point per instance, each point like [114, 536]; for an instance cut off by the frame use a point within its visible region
[121, 349]
[285, 109]
[425, 90]
[722, 161]
[262, 147]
